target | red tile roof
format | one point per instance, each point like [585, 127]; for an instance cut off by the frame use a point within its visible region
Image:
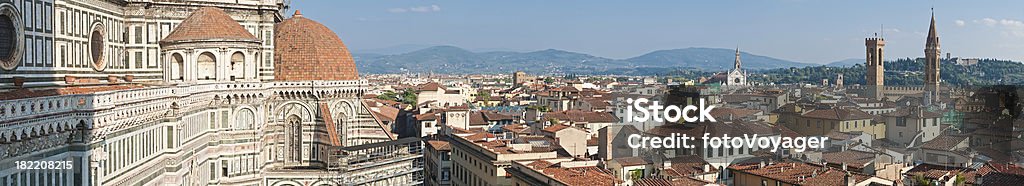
[944, 142]
[209, 24]
[852, 158]
[307, 50]
[583, 176]
[516, 128]
[685, 181]
[582, 116]
[555, 128]
[426, 116]
[798, 173]
[494, 116]
[684, 166]
[725, 112]
[440, 145]
[476, 118]
[842, 114]
[432, 86]
[632, 161]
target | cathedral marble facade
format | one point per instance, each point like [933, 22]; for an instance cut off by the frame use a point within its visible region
[187, 92]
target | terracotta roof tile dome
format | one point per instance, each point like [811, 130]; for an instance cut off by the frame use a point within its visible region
[307, 50]
[209, 24]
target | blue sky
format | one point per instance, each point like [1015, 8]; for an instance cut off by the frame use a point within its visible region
[815, 31]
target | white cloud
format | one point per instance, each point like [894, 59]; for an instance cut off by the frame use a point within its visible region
[960, 23]
[1008, 27]
[419, 9]
[1011, 23]
[987, 22]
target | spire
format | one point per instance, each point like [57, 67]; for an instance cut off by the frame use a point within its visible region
[933, 36]
[737, 63]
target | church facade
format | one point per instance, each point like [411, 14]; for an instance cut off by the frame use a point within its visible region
[187, 92]
[736, 76]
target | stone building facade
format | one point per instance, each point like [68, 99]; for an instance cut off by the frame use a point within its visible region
[185, 92]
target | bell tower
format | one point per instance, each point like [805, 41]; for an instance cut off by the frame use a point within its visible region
[932, 52]
[875, 64]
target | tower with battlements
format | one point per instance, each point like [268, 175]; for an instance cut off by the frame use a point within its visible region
[875, 65]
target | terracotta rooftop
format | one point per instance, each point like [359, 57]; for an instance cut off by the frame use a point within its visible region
[582, 116]
[938, 172]
[440, 145]
[516, 128]
[685, 166]
[426, 116]
[489, 142]
[209, 24]
[306, 50]
[907, 112]
[852, 158]
[685, 181]
[583, 176]
[555, 128]
[632, 161]
[383, 112]
[944, 142]
[477, 118]
[432, 86]
[725, 112]
[494, 116]
[842, 114]
[798, 173]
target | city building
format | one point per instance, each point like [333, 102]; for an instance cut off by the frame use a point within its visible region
[819, 122]
[479, 158]
[438, 162]
[912, 126]
[560, 172]
[797, 173]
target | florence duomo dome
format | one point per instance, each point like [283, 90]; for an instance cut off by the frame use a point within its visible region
[307, 50]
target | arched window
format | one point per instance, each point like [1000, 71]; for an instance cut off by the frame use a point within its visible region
[177, 67]
[97, 45]
[8, 42]
[207, 65]
[238, 66]
[245, 120]
[293, 133]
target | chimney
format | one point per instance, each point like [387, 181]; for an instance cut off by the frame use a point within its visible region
[850, 181]
[707, 168]
[761, 166]
[844, 166]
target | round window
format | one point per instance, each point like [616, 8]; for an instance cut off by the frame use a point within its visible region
[10, 41]
[97, 45]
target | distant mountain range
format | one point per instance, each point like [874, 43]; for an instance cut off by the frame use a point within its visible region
[846, 63]
[455, 60]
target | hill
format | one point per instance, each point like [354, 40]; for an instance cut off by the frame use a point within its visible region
[455, 60]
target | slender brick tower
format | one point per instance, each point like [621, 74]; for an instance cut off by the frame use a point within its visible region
[875, 67]
[932, 61]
